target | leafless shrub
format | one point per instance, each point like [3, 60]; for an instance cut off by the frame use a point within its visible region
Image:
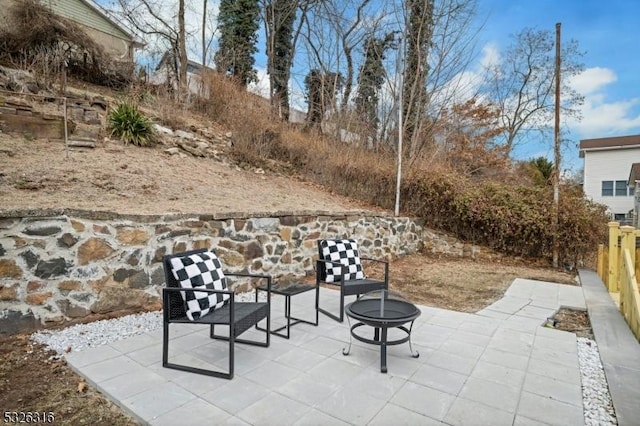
[41, 42]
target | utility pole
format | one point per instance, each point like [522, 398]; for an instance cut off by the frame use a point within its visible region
[400, 127]
[557, 159]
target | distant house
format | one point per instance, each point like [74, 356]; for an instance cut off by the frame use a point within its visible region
[164, 73]
[634, 181]
[607, 166]
[114, 38]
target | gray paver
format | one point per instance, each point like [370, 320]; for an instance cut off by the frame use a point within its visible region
[495, 373]
[308, 390]
[91, 356]
[439, 378]
[547, 368]
[318, 418]
[449, 361]
[549, 411]
[155, 402]
[273, 375]
[491, 393]
[392, 414]
[554, 389]
[355, 408]
[464, 349]
[505, 359]
[127, 385]
[273, 409]
[111, 367]
[467, 364]
[198, 412]
[235, 395]
[465, 412]
[424, 400]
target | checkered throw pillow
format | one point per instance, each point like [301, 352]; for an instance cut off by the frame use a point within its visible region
[202, 270]
[345, 252]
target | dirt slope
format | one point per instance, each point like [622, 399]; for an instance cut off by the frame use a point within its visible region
[133, 180]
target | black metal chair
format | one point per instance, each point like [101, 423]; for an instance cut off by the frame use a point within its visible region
[238, 316]
[348, 287]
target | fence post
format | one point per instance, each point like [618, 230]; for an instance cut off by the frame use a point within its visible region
[600, 264]
[628, 245]
[614, 257]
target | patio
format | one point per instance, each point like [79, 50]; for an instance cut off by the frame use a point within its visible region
[498, 367]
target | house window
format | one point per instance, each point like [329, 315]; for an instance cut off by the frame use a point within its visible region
[618, 188]
[621, 188]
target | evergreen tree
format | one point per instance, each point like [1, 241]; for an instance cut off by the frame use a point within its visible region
[280, 17]
[321, 90]
[371, 79]
[238, 22]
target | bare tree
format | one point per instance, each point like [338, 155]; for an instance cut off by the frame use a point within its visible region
[155, 19]
[334, 41]
[522, 85]
[204, 33]
[182, 49]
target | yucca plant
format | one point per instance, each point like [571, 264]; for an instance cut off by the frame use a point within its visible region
[129, 124]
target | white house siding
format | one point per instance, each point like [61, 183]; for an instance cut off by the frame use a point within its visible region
[613, 165]
[83, 13]
[115, 41]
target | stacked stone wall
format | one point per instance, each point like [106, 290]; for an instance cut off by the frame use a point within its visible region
[61, 266]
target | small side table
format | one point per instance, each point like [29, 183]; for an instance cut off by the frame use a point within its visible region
[288, 290]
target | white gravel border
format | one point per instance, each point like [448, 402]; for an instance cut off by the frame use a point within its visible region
[598, 407]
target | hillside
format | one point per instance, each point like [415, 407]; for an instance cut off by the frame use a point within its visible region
[133, 180]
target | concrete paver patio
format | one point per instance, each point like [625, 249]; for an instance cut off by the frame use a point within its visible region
[498, 366]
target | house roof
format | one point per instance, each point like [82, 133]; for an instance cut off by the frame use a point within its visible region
[613, 143]
[192, 66]
[635, 174]
[107, 16]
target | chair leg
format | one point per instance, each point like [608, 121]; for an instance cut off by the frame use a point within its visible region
[213, 373]
[232, 336]
[165, 344]
[339, 318]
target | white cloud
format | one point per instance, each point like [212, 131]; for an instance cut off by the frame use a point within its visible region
[261, 86]
[604, 118]
[592, 79]
[490, 56]
[601, 116]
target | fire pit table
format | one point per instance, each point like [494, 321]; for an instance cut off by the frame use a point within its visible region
[382, 310]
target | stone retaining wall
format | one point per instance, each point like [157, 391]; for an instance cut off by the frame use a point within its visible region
[59, 266]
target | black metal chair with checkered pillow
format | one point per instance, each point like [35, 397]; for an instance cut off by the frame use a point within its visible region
[196, 293]
[339, 263]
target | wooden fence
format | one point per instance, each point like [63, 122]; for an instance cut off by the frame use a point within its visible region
[618, 269]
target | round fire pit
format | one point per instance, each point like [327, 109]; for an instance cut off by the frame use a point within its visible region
[382, 309]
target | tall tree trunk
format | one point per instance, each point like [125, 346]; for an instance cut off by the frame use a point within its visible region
[418, 34]
[182, 49]
[204, 35]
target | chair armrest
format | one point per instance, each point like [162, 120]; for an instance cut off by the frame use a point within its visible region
[342, 268]
[386, 268]
[329, 261]
[374, 260]
[204, 290]
[166, 291]
[259, 276]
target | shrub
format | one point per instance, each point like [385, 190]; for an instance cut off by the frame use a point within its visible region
[503, 215]
[130, 125]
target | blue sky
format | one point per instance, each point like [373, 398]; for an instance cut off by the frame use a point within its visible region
[608, 33]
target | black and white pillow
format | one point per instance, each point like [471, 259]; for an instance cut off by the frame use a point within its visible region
[202, 270]
[345, 252]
